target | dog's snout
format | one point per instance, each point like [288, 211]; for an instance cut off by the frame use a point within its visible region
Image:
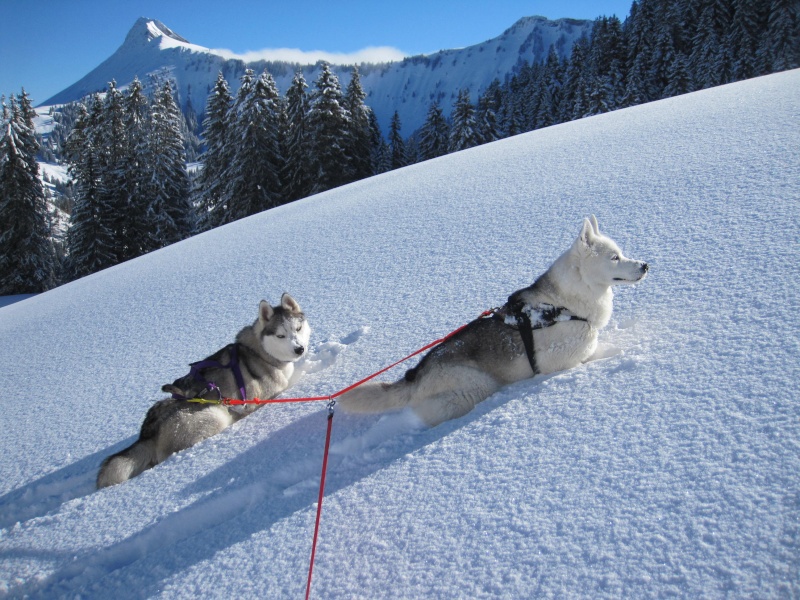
[299, 350]
[645, 267]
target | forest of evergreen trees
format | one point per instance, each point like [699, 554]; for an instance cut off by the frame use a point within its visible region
[127, 152]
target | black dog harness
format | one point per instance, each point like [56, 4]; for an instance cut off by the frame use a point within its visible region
[530, 318]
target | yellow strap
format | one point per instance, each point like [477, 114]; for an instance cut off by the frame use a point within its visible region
[203, 401]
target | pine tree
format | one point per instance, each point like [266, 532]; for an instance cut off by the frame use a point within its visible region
[679, 81]
[710, 57]
[463, 133]
[551, 92]
[255, 172]
[170, 211]
[601, 96]
[411, 155]
[573, 100]
[396, 144]
[635, 89]
[379, 148]
[212, 210]
[488, 107]
[435, 134]
[605, 64]
[90, 238]
[662, 61]
[297, 175]
[779, 47]
[134, 173]
[328, 123]
[189, 129]
[27, 260]
[113, 145]
[359, 136]
[743, 37]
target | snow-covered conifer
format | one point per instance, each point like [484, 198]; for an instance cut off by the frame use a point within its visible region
[90, 238]
[297, 174]
[779, 46]
[574, 89]
[170, 211]
[328, 124]
[379, 148]
[112, 144]
[464, 130]
[211, 182]
[27, 262]
[359, 136]
[396, 143]
[134, 173]
[190, 129]
[678, 80]
[254, 175]
[487, 113]
[435, 134]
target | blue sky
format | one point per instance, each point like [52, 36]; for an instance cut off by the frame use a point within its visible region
[49, 44]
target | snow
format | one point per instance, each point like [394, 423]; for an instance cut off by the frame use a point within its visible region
[54, 171]
[44, 121]
[667, 466]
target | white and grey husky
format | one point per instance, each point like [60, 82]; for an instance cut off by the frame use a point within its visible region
[259, 364]
[550, 326]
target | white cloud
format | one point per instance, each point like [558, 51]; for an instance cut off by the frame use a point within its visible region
[372, 54]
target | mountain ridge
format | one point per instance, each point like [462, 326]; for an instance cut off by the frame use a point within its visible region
[409, 86]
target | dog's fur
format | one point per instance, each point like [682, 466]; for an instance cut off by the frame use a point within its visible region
[489, 353]
[267, 350]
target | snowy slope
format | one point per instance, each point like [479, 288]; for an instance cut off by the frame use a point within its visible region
[667, 467]
[408, 86]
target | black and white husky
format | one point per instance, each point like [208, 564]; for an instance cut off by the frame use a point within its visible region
[550, 326]
[259, 364]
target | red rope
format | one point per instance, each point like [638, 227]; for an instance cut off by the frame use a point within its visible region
[319, 500]
[235, 402]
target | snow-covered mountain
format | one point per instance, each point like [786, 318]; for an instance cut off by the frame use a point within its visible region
[669, 466]
[408, 86]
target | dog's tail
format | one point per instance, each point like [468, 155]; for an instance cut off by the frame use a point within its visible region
[375, 397]
[124, 465]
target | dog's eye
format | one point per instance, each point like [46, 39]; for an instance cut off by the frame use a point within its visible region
[299, 328]
[615, 257]
[280, 336]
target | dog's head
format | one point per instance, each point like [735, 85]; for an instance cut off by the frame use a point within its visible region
[601, 260]
[283, 330]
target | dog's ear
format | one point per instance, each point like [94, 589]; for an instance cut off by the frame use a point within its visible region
[265, 311]
[587, 233]
[290, 303]
[595, 226]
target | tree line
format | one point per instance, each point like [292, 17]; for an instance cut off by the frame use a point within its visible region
[127, 151]
[663, 48]
[263, 150]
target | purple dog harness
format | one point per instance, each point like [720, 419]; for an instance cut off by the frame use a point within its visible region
[196, 371]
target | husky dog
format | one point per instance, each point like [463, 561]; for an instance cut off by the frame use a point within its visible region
[259, 364]
[550, 326]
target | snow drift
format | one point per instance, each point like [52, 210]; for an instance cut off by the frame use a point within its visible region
[667, 466]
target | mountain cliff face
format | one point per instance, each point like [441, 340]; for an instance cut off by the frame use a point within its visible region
[408, 86]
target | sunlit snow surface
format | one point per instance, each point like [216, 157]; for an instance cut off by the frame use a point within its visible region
[670, 465]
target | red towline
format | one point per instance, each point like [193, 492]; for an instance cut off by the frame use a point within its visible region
[236, 402]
